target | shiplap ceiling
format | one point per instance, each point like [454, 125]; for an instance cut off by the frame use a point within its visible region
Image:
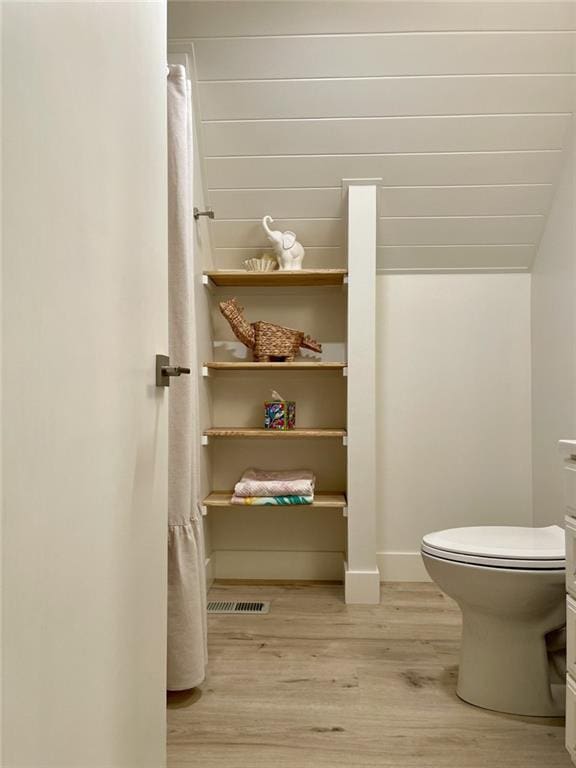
[463, 109]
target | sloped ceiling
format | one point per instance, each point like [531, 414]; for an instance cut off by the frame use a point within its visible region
[462, 109]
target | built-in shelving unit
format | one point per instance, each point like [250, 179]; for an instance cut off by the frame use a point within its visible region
[302, 277]
[335, 408]
[299, 541]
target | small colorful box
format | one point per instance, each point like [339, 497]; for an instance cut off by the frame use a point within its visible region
[279, 414]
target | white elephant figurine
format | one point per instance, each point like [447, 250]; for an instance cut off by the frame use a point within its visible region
[289, 252]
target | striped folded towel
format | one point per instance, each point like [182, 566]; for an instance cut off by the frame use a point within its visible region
[271, 501]
[261, 482]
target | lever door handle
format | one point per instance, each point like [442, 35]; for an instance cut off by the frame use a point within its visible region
[174, 370]
[164, 371]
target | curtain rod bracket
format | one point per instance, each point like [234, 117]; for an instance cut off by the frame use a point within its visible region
[208, 212]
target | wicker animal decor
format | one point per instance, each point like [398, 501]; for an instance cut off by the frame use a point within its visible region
[268, 342]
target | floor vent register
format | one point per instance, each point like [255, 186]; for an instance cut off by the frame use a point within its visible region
[238, 606]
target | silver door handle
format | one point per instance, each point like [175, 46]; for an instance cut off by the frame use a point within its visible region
[164, 371]
[171, 370]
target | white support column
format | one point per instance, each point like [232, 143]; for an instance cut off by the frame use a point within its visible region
[362, 576]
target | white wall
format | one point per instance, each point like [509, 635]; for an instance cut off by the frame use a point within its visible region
[296, 96]
[554, 348]
[454, 408]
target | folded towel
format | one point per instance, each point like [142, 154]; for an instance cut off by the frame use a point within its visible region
[262, 482]
[271, 501]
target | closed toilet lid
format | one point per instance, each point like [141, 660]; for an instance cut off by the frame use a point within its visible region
[500, 546]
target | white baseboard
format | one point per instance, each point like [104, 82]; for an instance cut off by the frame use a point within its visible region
[401, 566]
[271, 564]
[209, 565]
[361, 587]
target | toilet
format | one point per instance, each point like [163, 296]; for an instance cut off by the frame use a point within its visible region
[510, 586]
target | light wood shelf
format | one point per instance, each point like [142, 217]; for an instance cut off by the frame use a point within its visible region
[300, 365]
[321, 500]
[301, 277]
[273, 434]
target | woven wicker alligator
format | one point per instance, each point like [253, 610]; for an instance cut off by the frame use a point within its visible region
[267, 341]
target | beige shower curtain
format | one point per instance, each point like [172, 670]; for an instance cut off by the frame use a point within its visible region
[187, 654]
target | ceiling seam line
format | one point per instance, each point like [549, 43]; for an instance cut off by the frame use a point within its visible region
[392, 154]
[417, 33]
[536, 184]
[450, 116]
[407, 76]
[396, 246]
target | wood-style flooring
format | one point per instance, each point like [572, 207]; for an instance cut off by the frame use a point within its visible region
[319, 684]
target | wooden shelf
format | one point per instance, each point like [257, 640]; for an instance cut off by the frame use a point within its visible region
[321, 500]
[300, 277]
[300, 365]
[272, 434]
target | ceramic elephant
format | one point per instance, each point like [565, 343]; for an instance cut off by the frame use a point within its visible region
[289, 252]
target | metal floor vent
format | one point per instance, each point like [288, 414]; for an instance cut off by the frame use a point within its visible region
[238, 606]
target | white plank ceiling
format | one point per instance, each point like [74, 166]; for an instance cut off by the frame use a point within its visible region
[463, 109]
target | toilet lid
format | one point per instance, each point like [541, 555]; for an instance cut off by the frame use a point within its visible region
[500, 546]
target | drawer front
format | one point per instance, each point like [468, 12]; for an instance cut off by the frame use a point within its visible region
[571, 556]
[571, 717]
[570, 487]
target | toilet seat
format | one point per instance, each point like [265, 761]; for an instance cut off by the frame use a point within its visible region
[500, 547]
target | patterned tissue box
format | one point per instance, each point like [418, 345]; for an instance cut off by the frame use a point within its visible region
[279, 414]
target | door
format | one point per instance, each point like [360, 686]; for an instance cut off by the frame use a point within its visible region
[84, 428]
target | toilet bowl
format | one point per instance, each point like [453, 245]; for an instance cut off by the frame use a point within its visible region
[509, 584]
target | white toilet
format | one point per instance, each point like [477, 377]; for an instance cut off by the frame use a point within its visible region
[510, 585]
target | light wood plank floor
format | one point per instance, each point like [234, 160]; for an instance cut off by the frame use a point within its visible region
[317, 683]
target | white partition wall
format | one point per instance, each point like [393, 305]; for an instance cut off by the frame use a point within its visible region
[84, 441]
[362, 575]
